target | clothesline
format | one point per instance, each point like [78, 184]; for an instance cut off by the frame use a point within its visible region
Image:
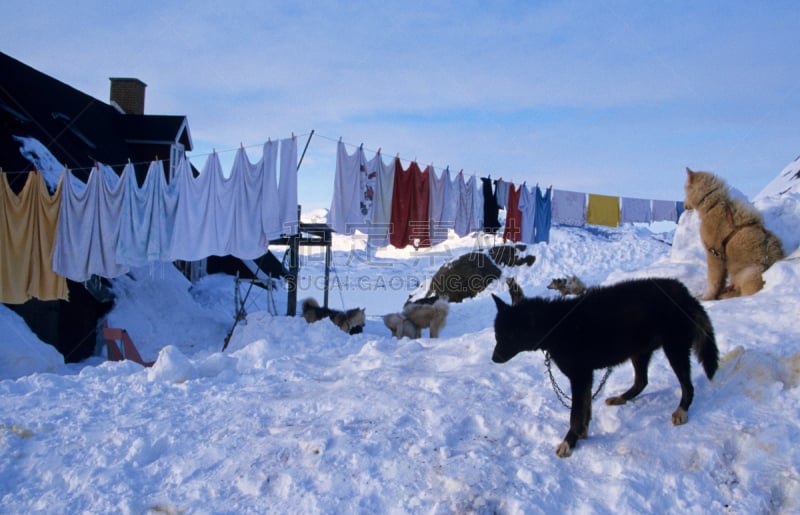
[109, 224]
[147, 162]
[439, 169]
[380, 151]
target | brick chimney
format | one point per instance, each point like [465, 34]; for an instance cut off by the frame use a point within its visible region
[128, 94]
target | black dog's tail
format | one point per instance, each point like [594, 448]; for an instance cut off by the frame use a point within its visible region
[705, 344]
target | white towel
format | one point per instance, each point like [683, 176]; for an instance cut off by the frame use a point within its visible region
[378, 234]
[665, 210]
[345, 213]
[271, 226]
[287, 186]
[636, 210]
[88, 229]
[438, 193]
[569, 207]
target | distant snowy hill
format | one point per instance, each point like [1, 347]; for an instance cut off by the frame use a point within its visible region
[788, 181]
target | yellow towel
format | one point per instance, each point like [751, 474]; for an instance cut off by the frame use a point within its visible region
[28, 225]
[603, 210]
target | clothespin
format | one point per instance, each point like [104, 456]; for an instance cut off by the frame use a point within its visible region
[340, 139]
[379, 150]
[361, 147]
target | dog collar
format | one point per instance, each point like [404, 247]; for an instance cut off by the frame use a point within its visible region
[706, 196]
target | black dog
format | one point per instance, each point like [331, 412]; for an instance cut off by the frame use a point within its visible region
[605, 327]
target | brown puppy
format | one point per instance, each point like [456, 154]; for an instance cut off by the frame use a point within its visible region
[737, 243]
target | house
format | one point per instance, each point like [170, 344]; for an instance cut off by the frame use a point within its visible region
[79, 130]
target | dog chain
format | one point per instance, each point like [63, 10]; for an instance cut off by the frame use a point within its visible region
[562, 396]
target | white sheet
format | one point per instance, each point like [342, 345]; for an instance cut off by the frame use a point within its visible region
[569, 207]
[287, 186]
[345, 214]
[378, 234]
[436, 210]
[88, 229]
[219, 216]
[148, 217]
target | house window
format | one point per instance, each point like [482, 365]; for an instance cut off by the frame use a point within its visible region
[176, 153]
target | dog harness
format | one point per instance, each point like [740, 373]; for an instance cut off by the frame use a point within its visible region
[736, 228]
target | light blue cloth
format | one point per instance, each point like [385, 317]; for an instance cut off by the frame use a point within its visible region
[636, 210]
[148, 217]
[88, 229]
[527, 209]
[438, 206]
[378, 235]
[665, 211]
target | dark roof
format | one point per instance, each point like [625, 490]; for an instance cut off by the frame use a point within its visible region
[77, 128]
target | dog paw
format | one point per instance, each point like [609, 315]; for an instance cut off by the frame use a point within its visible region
[680, 417]
[615, 401]
[564, 450]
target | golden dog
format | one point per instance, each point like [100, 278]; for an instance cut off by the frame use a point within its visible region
[737, 243]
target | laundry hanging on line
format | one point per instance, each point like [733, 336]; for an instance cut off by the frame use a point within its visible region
[543, 217]
[410, 206]
[636, 210]
[603, 210]
[190, 218]
[28, 225]
[513, 226]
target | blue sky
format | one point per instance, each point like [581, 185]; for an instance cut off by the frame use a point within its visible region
[611, 97]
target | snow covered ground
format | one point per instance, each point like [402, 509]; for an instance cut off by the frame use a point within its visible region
[299, 418]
